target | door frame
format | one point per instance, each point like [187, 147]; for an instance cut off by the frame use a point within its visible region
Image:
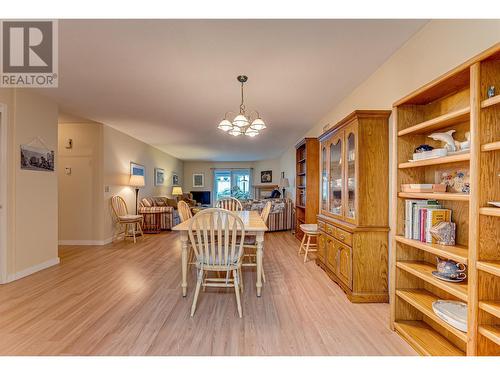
[3, 193]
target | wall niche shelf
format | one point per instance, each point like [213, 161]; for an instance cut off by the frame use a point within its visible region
[457, 100]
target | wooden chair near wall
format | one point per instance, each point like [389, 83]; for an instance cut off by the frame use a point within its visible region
[250, 257]
[223, 256]
[230, 203]
[125, 222]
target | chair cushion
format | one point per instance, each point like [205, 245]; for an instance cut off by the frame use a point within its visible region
[309, 228]
[233, 260]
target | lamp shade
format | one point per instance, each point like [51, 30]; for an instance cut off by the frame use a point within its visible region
[258, 124]
[284, 183]
[137, 181]
[225, 125]
[240, 121]
[176, 190]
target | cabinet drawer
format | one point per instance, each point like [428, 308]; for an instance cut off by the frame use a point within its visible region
[321, 225]
[330, 229]
[343, 236]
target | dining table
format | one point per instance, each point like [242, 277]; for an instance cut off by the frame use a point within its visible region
[253, 225]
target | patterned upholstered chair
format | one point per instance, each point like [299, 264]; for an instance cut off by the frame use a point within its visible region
[281, 216]
[169, 216]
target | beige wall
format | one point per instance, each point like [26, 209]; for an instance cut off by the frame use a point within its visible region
[119, 150]
[81, 212]
[32, 195]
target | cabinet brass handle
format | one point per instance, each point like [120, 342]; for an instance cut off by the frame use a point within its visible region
[342, 237]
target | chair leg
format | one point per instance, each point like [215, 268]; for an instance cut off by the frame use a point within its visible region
[197, 292]
[134, 227]
[140, 230]
[241, 278]
[237, 291]
[302, 243]
[307, 247]
[263, 274]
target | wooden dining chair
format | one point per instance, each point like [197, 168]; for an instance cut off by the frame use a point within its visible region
[222, 256]
[230, 203]
[125, 222]
[250, 244]
[185, 213]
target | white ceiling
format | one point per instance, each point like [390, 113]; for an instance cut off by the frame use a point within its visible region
[168, 82]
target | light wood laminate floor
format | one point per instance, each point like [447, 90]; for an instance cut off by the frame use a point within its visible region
[125, 299]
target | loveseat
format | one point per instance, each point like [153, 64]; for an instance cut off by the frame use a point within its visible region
[169, 216]
[281, 215]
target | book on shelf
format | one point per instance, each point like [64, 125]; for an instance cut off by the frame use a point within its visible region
[433, 216]
[412, 216]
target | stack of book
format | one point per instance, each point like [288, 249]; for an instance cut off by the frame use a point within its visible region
[421, 215]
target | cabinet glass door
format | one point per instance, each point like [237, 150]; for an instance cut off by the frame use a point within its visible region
[350, 211]
[336, 176]
[324, 180]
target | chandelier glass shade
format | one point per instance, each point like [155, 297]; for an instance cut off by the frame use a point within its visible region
[242, 124]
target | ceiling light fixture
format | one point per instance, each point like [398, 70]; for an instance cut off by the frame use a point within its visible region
[242, 124]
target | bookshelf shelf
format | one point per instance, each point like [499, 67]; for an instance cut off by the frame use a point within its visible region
[425, 340]
[492, 146]
[491, 307]
[490, 332]
[422, 300]
[450, 118]
[457, 100]
[457, 253]
[490, 211]
[435, 161]
[490, 101]
[438, 196]
[423, 271]
[490, 267]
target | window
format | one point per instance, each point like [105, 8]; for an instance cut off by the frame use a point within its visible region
[232, 183]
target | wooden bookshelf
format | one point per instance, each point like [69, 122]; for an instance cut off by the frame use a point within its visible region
[490, 101]
[435, 161]
[490, 211]
[307, 183]
[457, 100]
[447, 119]
[457, 253]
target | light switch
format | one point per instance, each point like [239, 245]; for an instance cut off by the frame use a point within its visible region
[67, 171]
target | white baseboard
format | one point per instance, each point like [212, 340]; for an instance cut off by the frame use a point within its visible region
[86, 242]
[33, 269]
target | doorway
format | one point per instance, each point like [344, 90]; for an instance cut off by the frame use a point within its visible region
[234, 183]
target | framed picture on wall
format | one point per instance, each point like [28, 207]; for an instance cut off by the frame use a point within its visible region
[37, 159]
[137, 169]
[159, 176]
[175, 179]
[266, 177]
[198, 180]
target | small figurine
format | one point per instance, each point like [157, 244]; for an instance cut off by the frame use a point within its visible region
[465, 145]
[423, 148]
[491, 91]
[447, 138]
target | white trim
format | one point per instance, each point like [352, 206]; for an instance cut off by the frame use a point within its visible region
[86, 242]
[3, 193]
[33, 269]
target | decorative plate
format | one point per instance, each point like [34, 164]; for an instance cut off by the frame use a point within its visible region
[452, 312]
[440, 276]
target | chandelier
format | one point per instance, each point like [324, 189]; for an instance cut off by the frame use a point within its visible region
[242, 124]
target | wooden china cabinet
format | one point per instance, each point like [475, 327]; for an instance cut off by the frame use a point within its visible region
[354, 195]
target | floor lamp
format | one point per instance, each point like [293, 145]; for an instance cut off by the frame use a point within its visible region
[137, 182]
[284, 183]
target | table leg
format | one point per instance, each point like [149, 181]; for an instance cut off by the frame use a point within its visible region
[260, 253]
[184, 261]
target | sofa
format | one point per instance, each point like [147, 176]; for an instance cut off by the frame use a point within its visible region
[281, 216]
[167, 207]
